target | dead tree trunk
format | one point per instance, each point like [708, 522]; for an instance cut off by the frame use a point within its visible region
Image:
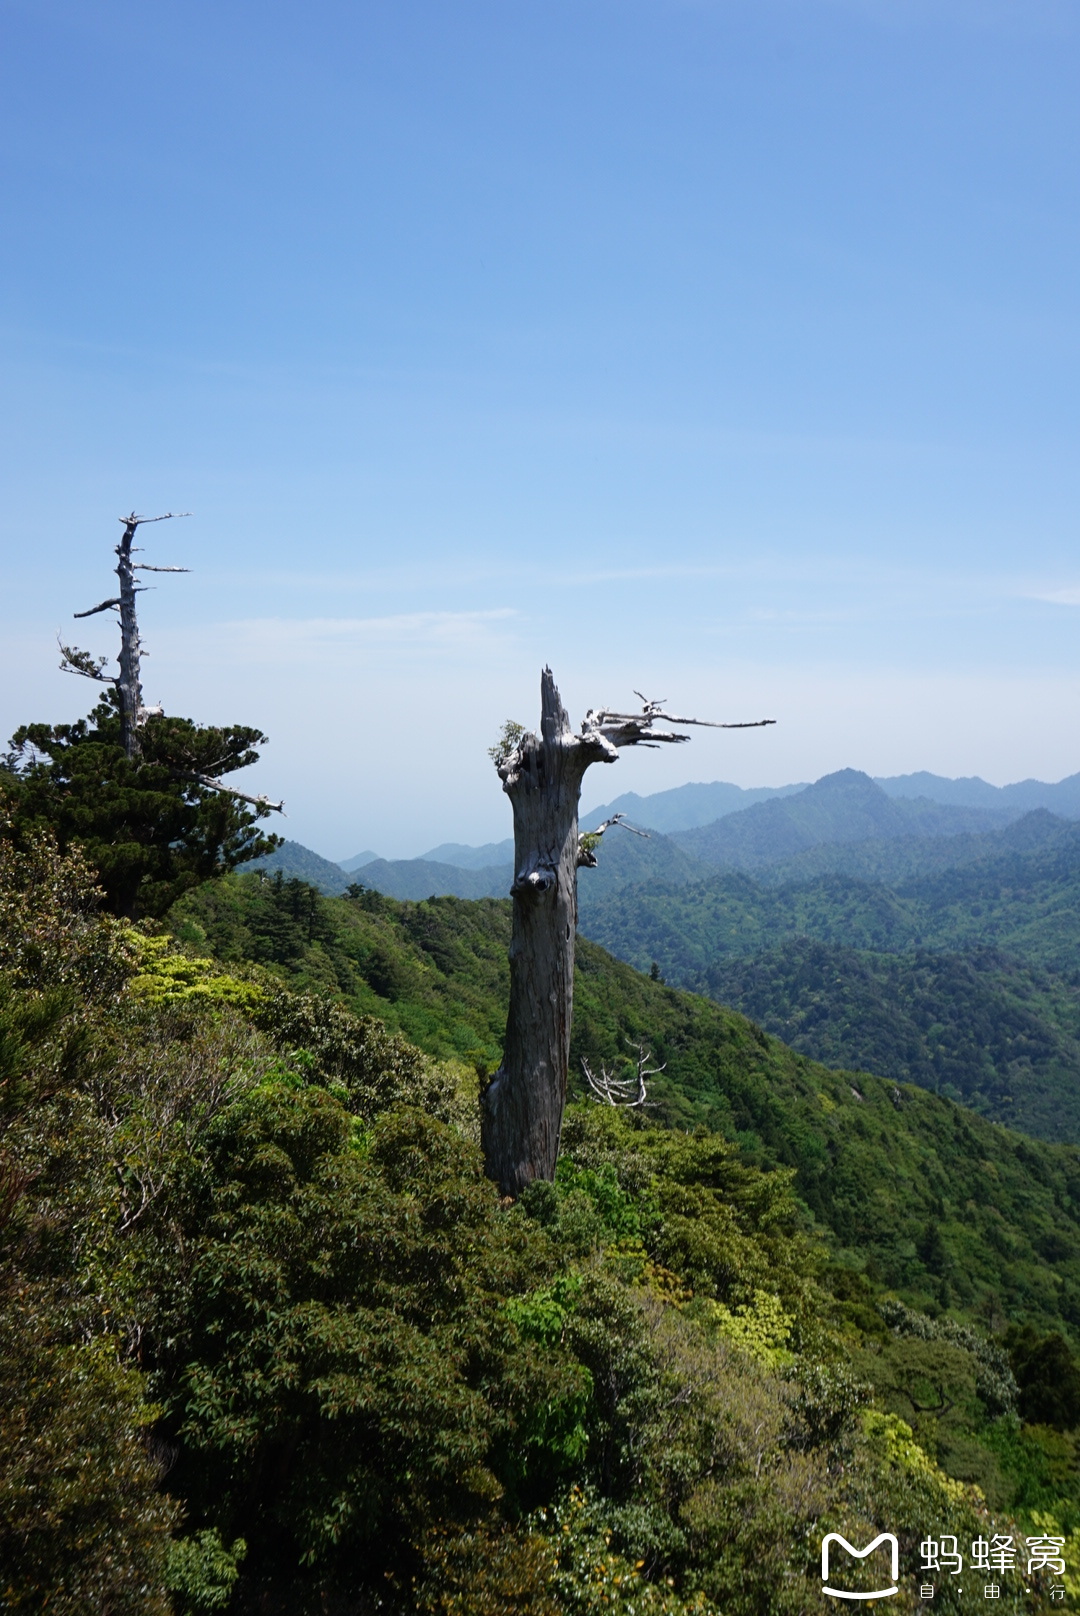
[128, 681]
[522, 1106]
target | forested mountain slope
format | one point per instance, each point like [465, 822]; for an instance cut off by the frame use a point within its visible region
[902, 859]
[963, 978]
[980, 1027]
[1023, 900]
[887, 1171]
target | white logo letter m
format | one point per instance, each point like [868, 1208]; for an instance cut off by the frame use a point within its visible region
[860, 1554]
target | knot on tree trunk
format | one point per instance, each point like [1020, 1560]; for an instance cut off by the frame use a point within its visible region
[534, 883]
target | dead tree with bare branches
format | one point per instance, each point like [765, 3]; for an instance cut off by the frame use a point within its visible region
[522, 1106]
[128, 681]
[141, 791]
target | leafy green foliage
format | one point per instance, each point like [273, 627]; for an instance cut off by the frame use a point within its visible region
[509, 737]
[201, 1572]
[1048, 1377]
[270, 1281]
[82, 1525]
[350, 1372]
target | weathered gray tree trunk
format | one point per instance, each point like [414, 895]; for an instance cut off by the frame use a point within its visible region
[128, 681]
[522, 1106]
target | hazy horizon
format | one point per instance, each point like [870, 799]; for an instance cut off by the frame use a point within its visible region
[590, 806]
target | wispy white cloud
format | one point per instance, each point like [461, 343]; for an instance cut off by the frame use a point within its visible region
[309, 640]
[1070, 596]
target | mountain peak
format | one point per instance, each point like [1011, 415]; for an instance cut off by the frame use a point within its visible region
[847, 780]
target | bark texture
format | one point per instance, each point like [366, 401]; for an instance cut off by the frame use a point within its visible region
[522, 1106]
[129, 679]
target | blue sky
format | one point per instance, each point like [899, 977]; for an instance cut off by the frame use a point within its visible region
[728, 351]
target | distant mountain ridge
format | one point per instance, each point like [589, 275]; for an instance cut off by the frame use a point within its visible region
[843, 807]
[358, 860]
[685, 807]
[472, 858]
[1061, 798]
[804, 834]
[416, 879]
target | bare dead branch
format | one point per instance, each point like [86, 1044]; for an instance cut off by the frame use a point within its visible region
[103, 606]
[618, 819]
[144, 566]
[231, 791]
[134, 521]
[606, 731]
[630, 729]
[630, 1093]
[603, 719]
[588, 840]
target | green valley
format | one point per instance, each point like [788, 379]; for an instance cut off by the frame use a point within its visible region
[876, 1163]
